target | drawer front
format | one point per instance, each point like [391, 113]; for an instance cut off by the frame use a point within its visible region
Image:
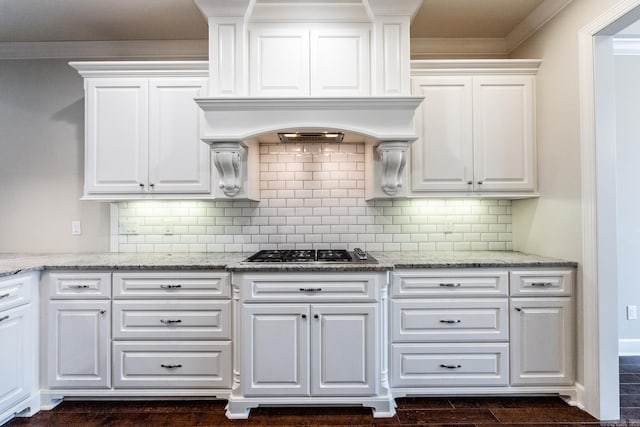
[178, 320]
[450, 283]
[171, 285]
[16, 290]
[443, 320]
[82, 285]
[172, 364]
[310, 287]
[542, 282]
[445, 365]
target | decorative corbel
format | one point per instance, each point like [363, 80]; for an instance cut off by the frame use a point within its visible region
[227, 157]
[393, 156]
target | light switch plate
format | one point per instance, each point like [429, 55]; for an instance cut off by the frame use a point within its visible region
[76, 228]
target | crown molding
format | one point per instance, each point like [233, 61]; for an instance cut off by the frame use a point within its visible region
[116, 50]
[533, 22]
[428, 48]
[474, 66]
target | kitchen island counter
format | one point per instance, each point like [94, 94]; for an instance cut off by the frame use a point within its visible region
[233, 261]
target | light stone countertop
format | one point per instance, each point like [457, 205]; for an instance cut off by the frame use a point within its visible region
[16, 263]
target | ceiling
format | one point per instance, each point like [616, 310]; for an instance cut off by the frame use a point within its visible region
[437, 21]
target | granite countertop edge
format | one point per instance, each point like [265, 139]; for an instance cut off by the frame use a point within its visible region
[11, 264]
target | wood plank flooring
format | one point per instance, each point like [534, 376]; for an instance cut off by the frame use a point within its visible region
[428, 411]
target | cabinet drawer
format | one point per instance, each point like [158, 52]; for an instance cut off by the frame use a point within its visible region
[342, 287]
[16, 290]
[449, 283]
[162, 319]
[442, 320]
[172, 364]
[433, 365]
[172, 285]
[83, 285]
[542, 282]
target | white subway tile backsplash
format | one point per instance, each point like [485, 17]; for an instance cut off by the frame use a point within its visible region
[312, 195]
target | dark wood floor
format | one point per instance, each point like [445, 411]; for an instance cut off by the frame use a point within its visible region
[433, 411]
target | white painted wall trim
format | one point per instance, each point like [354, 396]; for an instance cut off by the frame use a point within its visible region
[132, 49]
[629, 347]
[114, 227]
[600, 368]
[533, 22]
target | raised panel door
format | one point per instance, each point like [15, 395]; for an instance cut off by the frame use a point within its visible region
[274, 349]
[442, 159]
[343, 346]
[340, 62]
[15, 333]
[179, 162]
[116, 124]
[279, 63]
[503, 133]
[79, 344]
[541, 340]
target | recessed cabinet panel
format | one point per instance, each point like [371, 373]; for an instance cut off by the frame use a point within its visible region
[179, 162]
[117, 135]
[83, 285]
[343, 346]
[280, 61]
[450, 283]
[78, 344]
[542, 341]
[275, 350]
[15, 333]
[15, 291]
[544, 283]
[171, 284]
[340, 62]
[503, 133]
[443, 156]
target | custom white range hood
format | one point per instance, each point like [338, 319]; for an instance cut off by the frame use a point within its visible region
[291, 66]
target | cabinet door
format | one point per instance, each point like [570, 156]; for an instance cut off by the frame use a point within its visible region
[280, 61]
[78, 344]
[343, 345]
[15, 333]
[179, 162]
[503, 133]
[340, 62]
[541, 341]
[116, 120]
[442, 159]
[274, 349]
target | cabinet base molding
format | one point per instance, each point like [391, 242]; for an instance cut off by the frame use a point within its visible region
[238, 408]
[25, 408]
[567, 393]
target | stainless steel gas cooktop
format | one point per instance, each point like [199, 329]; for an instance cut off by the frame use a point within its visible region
[313, 255]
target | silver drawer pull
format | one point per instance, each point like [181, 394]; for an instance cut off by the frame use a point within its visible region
[170, 321]
[170, 286]
[170, 366]
[2, 319]
[450, 321]
[310, 289]
[4, 296]
[79, 286]
[451, 366]
[450, 285]
[541, 284]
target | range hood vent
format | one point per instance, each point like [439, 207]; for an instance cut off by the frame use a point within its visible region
[327, 137]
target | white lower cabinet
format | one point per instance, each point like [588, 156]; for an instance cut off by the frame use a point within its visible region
[18, 345]
[449, 335]
[309, 350]
[78, 341]
[309, 339]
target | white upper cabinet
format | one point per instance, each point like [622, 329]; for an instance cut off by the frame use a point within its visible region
[142, 130]
[310, 60]
[476, 127]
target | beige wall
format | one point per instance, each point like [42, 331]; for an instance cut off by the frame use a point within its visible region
[552, 225]
[41, 161]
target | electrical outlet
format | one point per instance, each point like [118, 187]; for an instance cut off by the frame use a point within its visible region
[128, 227]
[76, 228]
[632, 312]
[448, 225]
